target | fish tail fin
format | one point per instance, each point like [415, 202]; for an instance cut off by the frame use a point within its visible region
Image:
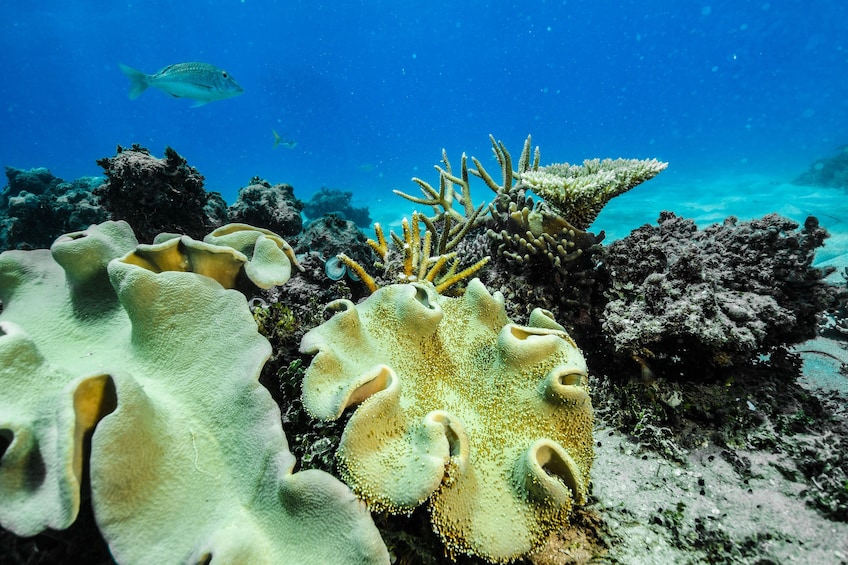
[277, 138]
[139, 81]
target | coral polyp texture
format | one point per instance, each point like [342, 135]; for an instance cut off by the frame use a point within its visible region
[487, 421]
[579, 192]
[152, 377]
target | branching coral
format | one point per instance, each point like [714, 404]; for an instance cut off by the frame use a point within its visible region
[419, 258]
[488, 421]
[550, 231]
[188, 460]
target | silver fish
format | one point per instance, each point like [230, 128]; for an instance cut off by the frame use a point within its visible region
[200, 82]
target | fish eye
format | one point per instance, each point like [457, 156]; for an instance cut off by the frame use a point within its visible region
[224, 74]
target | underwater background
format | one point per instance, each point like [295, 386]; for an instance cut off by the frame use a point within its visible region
[716, 357]
[735, 96]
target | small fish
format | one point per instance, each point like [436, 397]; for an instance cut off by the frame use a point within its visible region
[283, 141]
[200, 82]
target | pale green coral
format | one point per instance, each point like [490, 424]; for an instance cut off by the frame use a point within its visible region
[488, 421]
[188, 459]
[579, 192]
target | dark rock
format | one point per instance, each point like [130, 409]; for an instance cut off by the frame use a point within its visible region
[329, 201]
[158, 195]
[713, 298]
[34, 181]
[36, 208]
[831, 171]
[265, 206]
[331, 235]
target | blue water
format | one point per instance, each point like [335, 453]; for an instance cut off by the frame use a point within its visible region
[371, 91]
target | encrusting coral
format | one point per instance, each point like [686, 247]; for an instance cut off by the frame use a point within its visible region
[157, 372]
[488, 421]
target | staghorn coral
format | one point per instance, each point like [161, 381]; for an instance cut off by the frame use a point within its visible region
[488, 421]
[578, 192]
[419, 259]
[158, 195]
[157, 372]
[715, 297]
[454, 225]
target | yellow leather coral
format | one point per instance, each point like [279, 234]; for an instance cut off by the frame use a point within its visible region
[159, 372]
[229, 253]
[488, 421]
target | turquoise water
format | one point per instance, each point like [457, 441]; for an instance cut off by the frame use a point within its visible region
[371, 91]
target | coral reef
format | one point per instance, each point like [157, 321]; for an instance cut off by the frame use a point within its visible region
[148, 369]
[716, 297]
[329, 201]
[36, 208]
[488, 421]
[831, 171]
[34, 181]
[273, 207]
[158, 195]
[149, 379]
[541, 257]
